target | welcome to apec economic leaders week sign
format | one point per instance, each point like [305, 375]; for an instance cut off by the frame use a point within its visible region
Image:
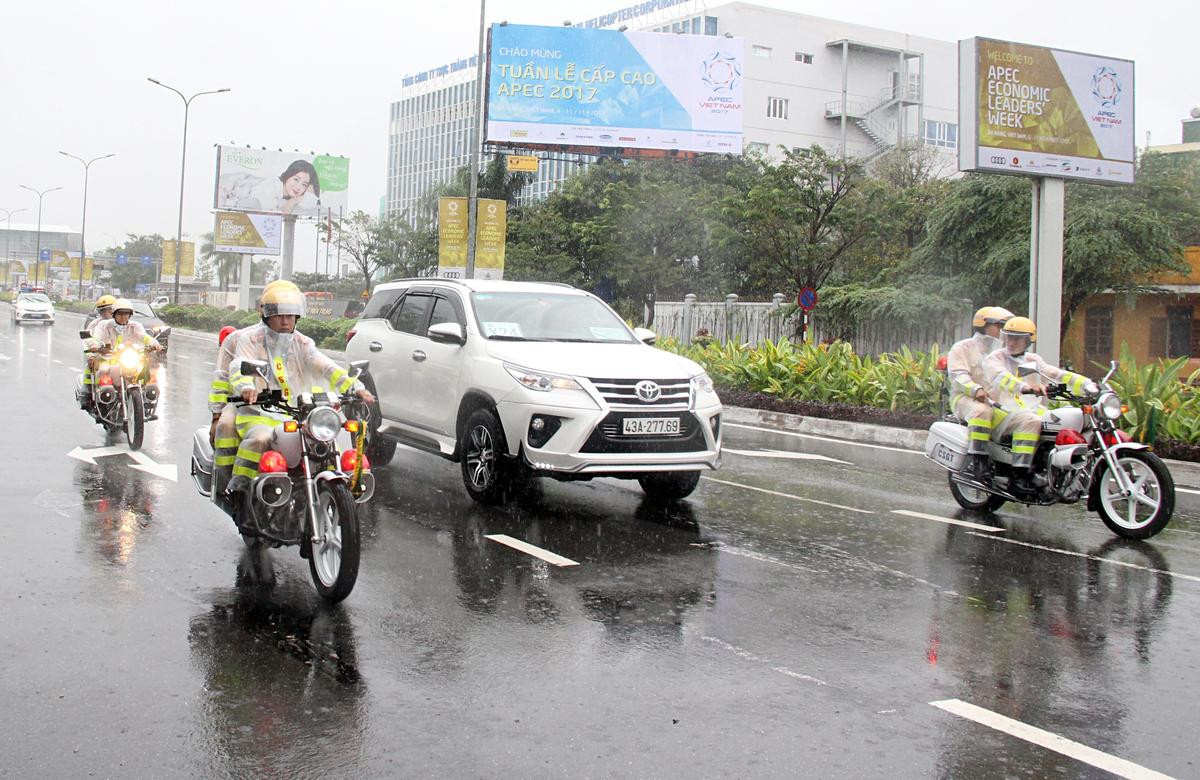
[1044, 112]
[572, 86]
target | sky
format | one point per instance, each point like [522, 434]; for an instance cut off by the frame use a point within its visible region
[320, 76]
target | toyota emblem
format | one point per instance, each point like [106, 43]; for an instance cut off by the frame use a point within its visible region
[648, 391]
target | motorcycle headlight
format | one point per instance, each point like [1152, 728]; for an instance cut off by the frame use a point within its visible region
[324, 424]
[130, 359]
[540, 381]
[702, 383]
[1109, 406]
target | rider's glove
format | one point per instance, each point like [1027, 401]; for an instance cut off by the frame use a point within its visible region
[1092, 389]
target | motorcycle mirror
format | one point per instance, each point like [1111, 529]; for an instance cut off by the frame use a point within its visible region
[164, 332]
[358, 368]
[254, 368]
[1027, 369]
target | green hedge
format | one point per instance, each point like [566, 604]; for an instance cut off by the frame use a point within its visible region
[330, 334]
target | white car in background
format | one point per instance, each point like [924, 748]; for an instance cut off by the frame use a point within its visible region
[32, 307]
[517, 380]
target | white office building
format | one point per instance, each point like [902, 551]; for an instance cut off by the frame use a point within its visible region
[807, 80]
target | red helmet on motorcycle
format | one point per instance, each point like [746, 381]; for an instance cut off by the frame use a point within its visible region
[225, 331]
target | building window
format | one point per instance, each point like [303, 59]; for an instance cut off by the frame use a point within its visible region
[804, 58]
[760, 51]
[777, 108]
[1098, 334]
[757, 148]
[710, 25]
[943, 134]
[1179, 331]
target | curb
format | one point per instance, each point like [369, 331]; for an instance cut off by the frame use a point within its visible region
[1186, 473]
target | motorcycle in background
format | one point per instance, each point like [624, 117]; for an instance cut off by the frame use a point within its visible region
[125, 398]
[1081, 453]
[309, 481]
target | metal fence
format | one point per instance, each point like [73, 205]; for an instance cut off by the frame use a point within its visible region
[749, 322]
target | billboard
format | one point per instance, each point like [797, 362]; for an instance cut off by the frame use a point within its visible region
[187, 266]
[1044, 112]
[571, 86]
[247, 234]
[280, 182]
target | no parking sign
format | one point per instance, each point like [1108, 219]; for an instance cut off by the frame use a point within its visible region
[807, 299]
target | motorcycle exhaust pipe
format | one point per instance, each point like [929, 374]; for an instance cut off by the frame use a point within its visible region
[1069, 457]
[274, 490]
[106, 395]
[366, 482]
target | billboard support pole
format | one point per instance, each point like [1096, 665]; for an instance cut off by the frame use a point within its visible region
[289, 246]
[244, 286]
[476, 142]
[1046, 264]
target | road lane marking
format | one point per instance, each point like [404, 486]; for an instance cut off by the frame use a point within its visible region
[824, 438]
[1109, 763]
[1187, 490]
[76, 370]
[788, 495]
[785, 454]
[529, 549]
[749, 656]
[949, 520]
[5, 357]
[142, 461]
[56, 360]
[1126, 564]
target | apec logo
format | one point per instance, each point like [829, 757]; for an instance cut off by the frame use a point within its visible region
[721, 72]
[1106, 87]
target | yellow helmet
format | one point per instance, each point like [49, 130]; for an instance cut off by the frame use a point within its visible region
[282, 297]
[122, 304]
[1020, 326]
[105, 302]
[991, 315]
[269, 286]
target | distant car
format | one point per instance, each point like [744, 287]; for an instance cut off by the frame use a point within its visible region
[32, 307]
[145, 314]
[161, 300]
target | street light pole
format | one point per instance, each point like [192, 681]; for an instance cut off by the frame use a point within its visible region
[7, 235]
[187, 102]
[37, 257]
[83, 222]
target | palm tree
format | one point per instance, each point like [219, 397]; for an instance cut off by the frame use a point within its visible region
[228, 265]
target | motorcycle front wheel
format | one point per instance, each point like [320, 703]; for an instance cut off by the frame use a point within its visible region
[333, 562]
[135, 417]
[972, 499]
[1148, 510]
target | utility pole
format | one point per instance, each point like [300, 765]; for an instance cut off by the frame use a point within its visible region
[83, 222]
[476, 143]
[37, 257]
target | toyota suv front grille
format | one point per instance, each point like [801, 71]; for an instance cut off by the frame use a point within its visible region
[645, 393]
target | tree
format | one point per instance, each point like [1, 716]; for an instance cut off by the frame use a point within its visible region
[226, 265]
[127, 277]
[372, 244]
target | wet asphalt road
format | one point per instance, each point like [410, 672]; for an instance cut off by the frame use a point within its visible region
[802, 628]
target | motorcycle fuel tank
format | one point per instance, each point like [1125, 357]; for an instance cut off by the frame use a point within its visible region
[946, 445]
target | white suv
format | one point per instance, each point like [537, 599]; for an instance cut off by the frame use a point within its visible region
[516, 379]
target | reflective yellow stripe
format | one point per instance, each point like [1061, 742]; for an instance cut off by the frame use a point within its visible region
[225, 443]
[249, 455]
[281, 378]
[245, 471]
[982, 422]
[224, 460]
[980, 435]
[254, 419]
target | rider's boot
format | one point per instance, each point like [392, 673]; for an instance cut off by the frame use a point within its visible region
[976, 466]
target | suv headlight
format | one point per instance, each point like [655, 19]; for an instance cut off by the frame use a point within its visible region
[324, 424]
[1109, 406]
[542, 381]
[702, 383]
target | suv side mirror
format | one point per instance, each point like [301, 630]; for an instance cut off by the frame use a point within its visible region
[645, 335]
[447, 333]
[254, 368]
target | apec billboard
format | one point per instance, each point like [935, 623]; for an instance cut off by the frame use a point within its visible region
[571, 86]
[1045, 112]
[276, 182]
[253, 234]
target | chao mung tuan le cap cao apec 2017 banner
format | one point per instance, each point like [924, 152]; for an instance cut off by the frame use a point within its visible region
[248, 234]
[276, 182]
[1044, 112]
[574, 86]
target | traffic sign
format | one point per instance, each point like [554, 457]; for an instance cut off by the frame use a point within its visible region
[807, 299]
[145, 259]
[44, 254]
[122, 259]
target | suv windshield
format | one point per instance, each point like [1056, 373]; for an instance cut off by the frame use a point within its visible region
[547, 316]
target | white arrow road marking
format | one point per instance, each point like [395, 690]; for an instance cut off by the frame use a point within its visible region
[1109, 763]
[785, 454]
[142, 461]
[529, 549]
[949, 520]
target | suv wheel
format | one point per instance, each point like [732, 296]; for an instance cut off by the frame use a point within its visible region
[482, 451]
[669, 485]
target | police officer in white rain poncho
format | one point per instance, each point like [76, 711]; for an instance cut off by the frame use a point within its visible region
[295, 366]
[968, 386]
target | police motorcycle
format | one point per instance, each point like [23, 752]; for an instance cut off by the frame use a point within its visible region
[309, 482]
[130, 400]
[1081, 454]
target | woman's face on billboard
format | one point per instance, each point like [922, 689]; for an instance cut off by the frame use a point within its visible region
[296, 184]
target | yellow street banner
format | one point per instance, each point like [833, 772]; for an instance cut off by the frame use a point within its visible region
[491, 225]
[521, 163]
[452, 237]
[58, 259]
[187, 266]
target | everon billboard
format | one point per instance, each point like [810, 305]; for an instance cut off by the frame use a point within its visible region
[280, 182]
[1044, 112]
[570, 86]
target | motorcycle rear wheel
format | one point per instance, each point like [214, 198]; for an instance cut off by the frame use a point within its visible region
[1153, 502]
[972, 499]
[333, 562]
[135, 417]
